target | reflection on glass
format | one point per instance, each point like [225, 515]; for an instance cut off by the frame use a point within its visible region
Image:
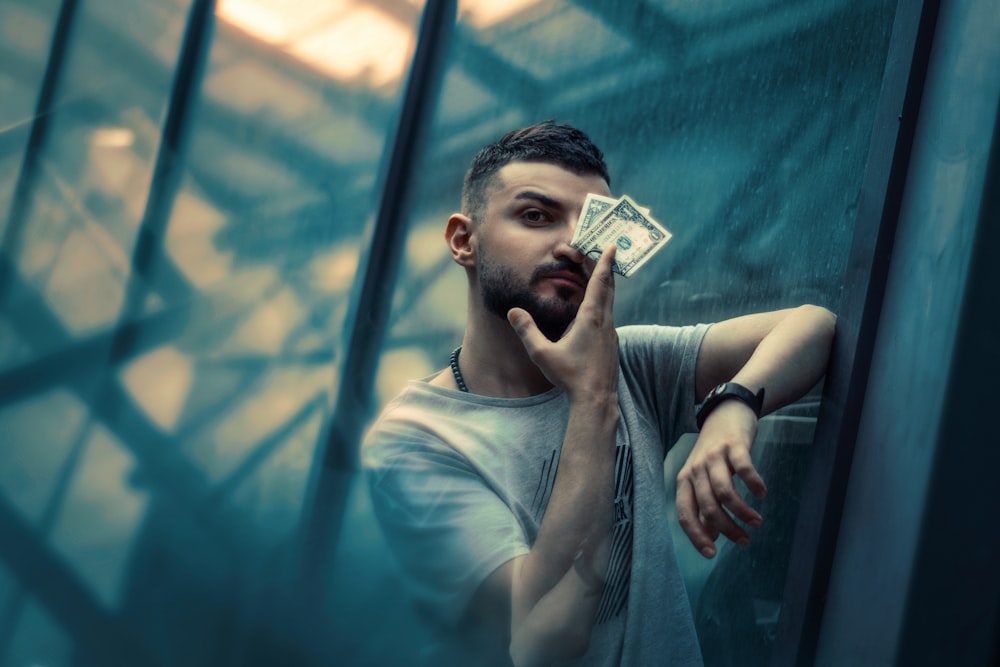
[157, 454]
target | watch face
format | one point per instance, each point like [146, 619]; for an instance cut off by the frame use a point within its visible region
[718, 390]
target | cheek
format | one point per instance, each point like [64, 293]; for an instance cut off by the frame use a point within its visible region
[507, 251]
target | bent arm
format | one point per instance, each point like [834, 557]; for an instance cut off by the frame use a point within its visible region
[557, 587]
[785, 352]
[548, 598]
[553, 592]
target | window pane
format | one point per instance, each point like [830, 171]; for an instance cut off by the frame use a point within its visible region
[160, 411]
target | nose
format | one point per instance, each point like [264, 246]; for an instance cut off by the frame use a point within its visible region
[564, 250]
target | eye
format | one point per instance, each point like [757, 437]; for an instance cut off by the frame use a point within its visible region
[535, 216]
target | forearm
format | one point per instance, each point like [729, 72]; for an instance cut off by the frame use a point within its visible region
[550, 601]
[791, 358]
[556, 588]
[558, 626]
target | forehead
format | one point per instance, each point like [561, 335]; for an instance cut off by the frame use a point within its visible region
[549, 179]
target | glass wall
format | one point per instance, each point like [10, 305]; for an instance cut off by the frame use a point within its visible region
[176, 278]
[175, 283]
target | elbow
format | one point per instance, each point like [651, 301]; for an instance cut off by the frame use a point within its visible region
[822, 321]
[818, 326]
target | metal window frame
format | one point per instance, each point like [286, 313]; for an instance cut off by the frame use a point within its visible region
[825, 486]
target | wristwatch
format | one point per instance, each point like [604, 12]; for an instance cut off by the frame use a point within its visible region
[725, 391]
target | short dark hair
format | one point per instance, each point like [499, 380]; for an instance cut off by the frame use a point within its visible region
[548, 141]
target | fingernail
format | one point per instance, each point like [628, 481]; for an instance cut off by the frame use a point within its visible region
[708, 552]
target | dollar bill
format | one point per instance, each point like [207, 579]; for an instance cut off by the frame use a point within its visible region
[630, 227]
[594, 207]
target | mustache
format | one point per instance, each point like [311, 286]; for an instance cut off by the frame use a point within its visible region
[552, 267]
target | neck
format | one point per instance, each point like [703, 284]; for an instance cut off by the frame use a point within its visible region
[494, 362]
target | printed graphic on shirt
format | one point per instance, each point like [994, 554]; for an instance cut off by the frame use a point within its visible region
[619, 570]
[620, 563]
[544, 489]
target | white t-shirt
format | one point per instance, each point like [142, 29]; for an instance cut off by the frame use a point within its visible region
[460, 483]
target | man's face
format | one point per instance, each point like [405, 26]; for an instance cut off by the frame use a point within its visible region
[524, 257]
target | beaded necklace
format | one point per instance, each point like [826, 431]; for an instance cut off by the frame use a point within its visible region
[459, 380]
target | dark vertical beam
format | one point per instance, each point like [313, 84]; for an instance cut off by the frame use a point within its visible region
[814, 543]
[20, 208]
[337, 455]
[166, 171]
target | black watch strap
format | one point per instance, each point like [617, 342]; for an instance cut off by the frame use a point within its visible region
[725, 391]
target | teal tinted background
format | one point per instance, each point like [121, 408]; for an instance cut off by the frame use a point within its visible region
[156, 489]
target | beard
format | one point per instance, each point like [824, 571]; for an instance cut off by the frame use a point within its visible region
[502, 291]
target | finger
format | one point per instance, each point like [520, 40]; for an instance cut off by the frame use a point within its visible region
[714, 513]
[690, 519]
[524, 325]
[744, 469]
[729, 497]
[606, 262]
[600, 292]
[712, 533]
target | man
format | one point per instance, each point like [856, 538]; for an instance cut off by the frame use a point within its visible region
[522, 489]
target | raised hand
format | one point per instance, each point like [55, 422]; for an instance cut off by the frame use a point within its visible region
[584, 361]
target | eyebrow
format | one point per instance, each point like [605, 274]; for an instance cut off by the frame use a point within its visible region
[540, 198]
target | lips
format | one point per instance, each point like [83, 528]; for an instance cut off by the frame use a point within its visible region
[567, 277]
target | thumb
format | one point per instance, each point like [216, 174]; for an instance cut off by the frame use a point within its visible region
[525, 327]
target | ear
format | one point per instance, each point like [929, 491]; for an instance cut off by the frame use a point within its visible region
[458, 234]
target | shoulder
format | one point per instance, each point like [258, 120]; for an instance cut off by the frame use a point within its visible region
[407, 425]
